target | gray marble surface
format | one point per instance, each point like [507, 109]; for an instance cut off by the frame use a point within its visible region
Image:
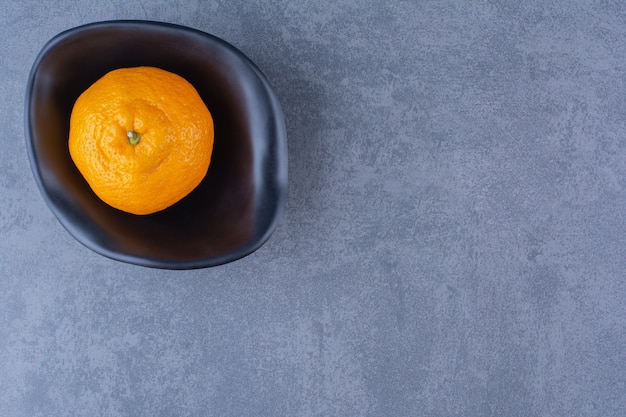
[454, 241]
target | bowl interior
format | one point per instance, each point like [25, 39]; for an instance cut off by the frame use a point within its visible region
[237, 205]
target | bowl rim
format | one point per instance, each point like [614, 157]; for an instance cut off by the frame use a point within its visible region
[280, 144]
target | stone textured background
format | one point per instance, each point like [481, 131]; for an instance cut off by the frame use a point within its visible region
[454, 242]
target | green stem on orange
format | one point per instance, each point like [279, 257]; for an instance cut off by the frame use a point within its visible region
[133, 137]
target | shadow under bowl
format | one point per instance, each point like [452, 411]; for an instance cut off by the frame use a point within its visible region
[239, 203]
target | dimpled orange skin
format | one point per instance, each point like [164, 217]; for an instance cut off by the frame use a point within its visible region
[173, 127]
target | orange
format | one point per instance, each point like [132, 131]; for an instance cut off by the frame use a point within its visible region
[142, 138]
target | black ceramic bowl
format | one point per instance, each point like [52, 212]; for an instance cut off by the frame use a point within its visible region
[238, 204]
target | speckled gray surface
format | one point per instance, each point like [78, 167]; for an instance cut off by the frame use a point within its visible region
[454, 242]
